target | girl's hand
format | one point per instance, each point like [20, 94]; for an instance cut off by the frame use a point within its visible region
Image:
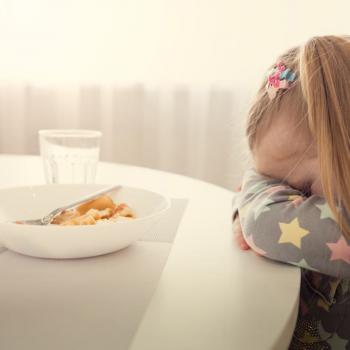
[237, 231]
[238, 235]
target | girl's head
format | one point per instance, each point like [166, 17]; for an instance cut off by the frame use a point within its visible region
[302, 135]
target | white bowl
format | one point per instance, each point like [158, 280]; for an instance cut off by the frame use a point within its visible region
[64, 242]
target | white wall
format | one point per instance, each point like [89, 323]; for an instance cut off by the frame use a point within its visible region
[157, 41]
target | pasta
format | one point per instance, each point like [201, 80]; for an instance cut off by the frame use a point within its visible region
[99, 210]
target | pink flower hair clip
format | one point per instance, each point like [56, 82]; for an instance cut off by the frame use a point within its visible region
[280, 77]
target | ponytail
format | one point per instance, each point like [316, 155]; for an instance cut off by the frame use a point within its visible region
[324, 66]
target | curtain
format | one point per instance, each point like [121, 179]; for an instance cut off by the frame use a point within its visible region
[190, 131]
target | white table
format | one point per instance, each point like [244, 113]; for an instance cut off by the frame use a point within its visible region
[210, 294]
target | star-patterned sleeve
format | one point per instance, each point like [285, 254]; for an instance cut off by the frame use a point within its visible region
[282, 224]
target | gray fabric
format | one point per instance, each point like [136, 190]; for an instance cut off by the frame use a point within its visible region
[282, 224]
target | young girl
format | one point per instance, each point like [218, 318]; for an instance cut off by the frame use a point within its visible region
[293, 206]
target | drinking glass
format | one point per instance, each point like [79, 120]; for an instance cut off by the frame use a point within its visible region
[70, 156]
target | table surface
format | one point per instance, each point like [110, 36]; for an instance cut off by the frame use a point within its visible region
[210, 294]
[88, 304]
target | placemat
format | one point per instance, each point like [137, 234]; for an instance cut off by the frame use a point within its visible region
[92, 303]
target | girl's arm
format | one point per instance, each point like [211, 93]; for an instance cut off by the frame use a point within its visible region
[280, 223]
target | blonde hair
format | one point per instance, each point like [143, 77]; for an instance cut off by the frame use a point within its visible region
[320, 97]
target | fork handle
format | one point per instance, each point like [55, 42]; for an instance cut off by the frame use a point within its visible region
[49, 217]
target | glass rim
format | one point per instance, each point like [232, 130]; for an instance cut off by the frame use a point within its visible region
[61, 133]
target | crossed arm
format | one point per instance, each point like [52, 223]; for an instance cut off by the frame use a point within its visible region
[280, 223]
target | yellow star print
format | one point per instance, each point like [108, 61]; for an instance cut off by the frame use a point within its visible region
[322, 303]
[244, 209]
[334, 285]
[308, 338]
[292, 233]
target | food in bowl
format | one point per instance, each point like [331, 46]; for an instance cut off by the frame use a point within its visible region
[74, 241]
[100, 210]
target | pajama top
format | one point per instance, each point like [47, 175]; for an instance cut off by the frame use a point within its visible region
[282, 224]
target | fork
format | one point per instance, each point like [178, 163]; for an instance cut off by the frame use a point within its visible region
[47, 219]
